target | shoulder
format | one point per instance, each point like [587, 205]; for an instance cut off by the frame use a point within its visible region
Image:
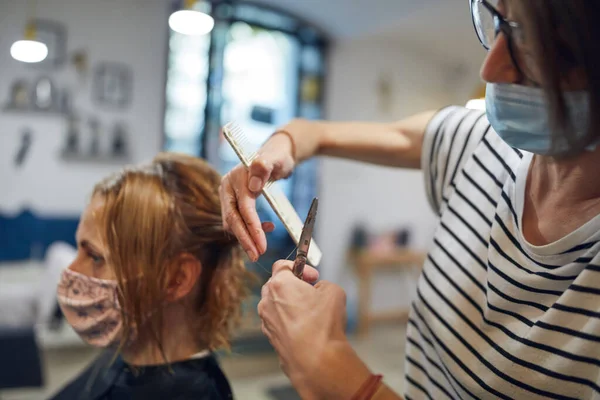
[451, 138]
[93, 382]
[215, 385]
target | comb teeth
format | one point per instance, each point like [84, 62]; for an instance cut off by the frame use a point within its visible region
[240, 142]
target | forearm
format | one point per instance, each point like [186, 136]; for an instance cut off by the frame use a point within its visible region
[396, 144]
[339, 376]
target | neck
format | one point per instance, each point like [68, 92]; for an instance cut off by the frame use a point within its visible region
[178, 342]
[568, 182]
[561, 196]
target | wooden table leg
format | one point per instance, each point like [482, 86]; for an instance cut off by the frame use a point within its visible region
[364, 299]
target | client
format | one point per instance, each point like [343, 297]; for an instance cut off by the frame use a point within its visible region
[157, 281]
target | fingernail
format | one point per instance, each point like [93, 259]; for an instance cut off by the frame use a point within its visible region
[251, 255]
[255, 184]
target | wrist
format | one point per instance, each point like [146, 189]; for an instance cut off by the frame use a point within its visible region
[305, 137]
[338, 375]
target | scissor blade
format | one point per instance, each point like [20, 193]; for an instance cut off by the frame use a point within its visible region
[309, 225]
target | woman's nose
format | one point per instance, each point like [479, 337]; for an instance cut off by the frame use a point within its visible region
[498, 66]
[76, 266]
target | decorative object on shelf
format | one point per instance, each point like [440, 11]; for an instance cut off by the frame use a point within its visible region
[384, 243]
[119, 142]
[65, 102]
[95, 133]
[73, 153]
[19, 96]
[44, 97]
[79, 59]
[113, 85]
[73, 135]
[263, 114]
[385, 93]
[359, 238]
[310, 89]
[54, 35]
[403, 237]
[24, 146]
[41, 97]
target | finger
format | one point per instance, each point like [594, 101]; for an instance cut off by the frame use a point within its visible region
[231, 201]
[223, 208]
[237, 226]
[309, 274]
[260, 173]
[246, 205]
[264, 330]
[282, 266]
[264, 291]
[268, 227]
[338, 293]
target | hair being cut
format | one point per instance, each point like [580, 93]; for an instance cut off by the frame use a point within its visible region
[152, 214]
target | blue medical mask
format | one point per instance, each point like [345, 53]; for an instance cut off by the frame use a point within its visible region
[521, 117]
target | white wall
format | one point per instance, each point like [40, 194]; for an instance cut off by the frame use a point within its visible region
[130, 31]
[382, 198]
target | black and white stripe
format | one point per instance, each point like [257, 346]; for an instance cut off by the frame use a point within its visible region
[494, 316]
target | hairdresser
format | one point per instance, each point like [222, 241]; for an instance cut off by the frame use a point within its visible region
[508, 304]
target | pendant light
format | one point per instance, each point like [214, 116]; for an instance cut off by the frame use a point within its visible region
[191, 21]
[29, 50]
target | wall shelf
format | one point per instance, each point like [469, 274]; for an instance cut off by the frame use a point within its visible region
[94, 159]
[33, 111]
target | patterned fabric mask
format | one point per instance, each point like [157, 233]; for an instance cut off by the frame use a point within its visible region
[91, 306]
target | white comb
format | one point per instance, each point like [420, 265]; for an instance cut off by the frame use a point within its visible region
[279, 202]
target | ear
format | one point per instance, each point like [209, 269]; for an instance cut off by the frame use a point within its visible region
[187, 272]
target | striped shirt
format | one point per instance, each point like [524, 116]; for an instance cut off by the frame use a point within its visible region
[495, 317]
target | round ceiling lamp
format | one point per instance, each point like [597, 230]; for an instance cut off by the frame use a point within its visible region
[191, 21]
[29, 50]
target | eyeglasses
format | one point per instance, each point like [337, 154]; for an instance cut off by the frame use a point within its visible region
[489, 23]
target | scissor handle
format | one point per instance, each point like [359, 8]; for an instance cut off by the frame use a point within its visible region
[299, 264]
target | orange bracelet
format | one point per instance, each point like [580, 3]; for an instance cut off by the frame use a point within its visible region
[369, 388]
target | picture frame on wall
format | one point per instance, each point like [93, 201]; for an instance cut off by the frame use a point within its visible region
[113, 85]
[54, 35]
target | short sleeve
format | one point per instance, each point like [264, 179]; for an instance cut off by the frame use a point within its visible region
[450, 140]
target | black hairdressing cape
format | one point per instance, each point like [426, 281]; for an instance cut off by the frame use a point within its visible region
[197, 378]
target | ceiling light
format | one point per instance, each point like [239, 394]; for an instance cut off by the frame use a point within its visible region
[29, 50]
[190, 21]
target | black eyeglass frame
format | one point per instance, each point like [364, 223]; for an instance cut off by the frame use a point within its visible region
[501, 24]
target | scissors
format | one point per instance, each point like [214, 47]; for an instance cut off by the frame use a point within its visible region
[305, 238]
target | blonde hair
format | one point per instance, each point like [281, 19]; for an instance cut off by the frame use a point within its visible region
[154, 213]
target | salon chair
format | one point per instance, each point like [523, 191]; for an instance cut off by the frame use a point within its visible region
[26, 309]
[21, 364]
